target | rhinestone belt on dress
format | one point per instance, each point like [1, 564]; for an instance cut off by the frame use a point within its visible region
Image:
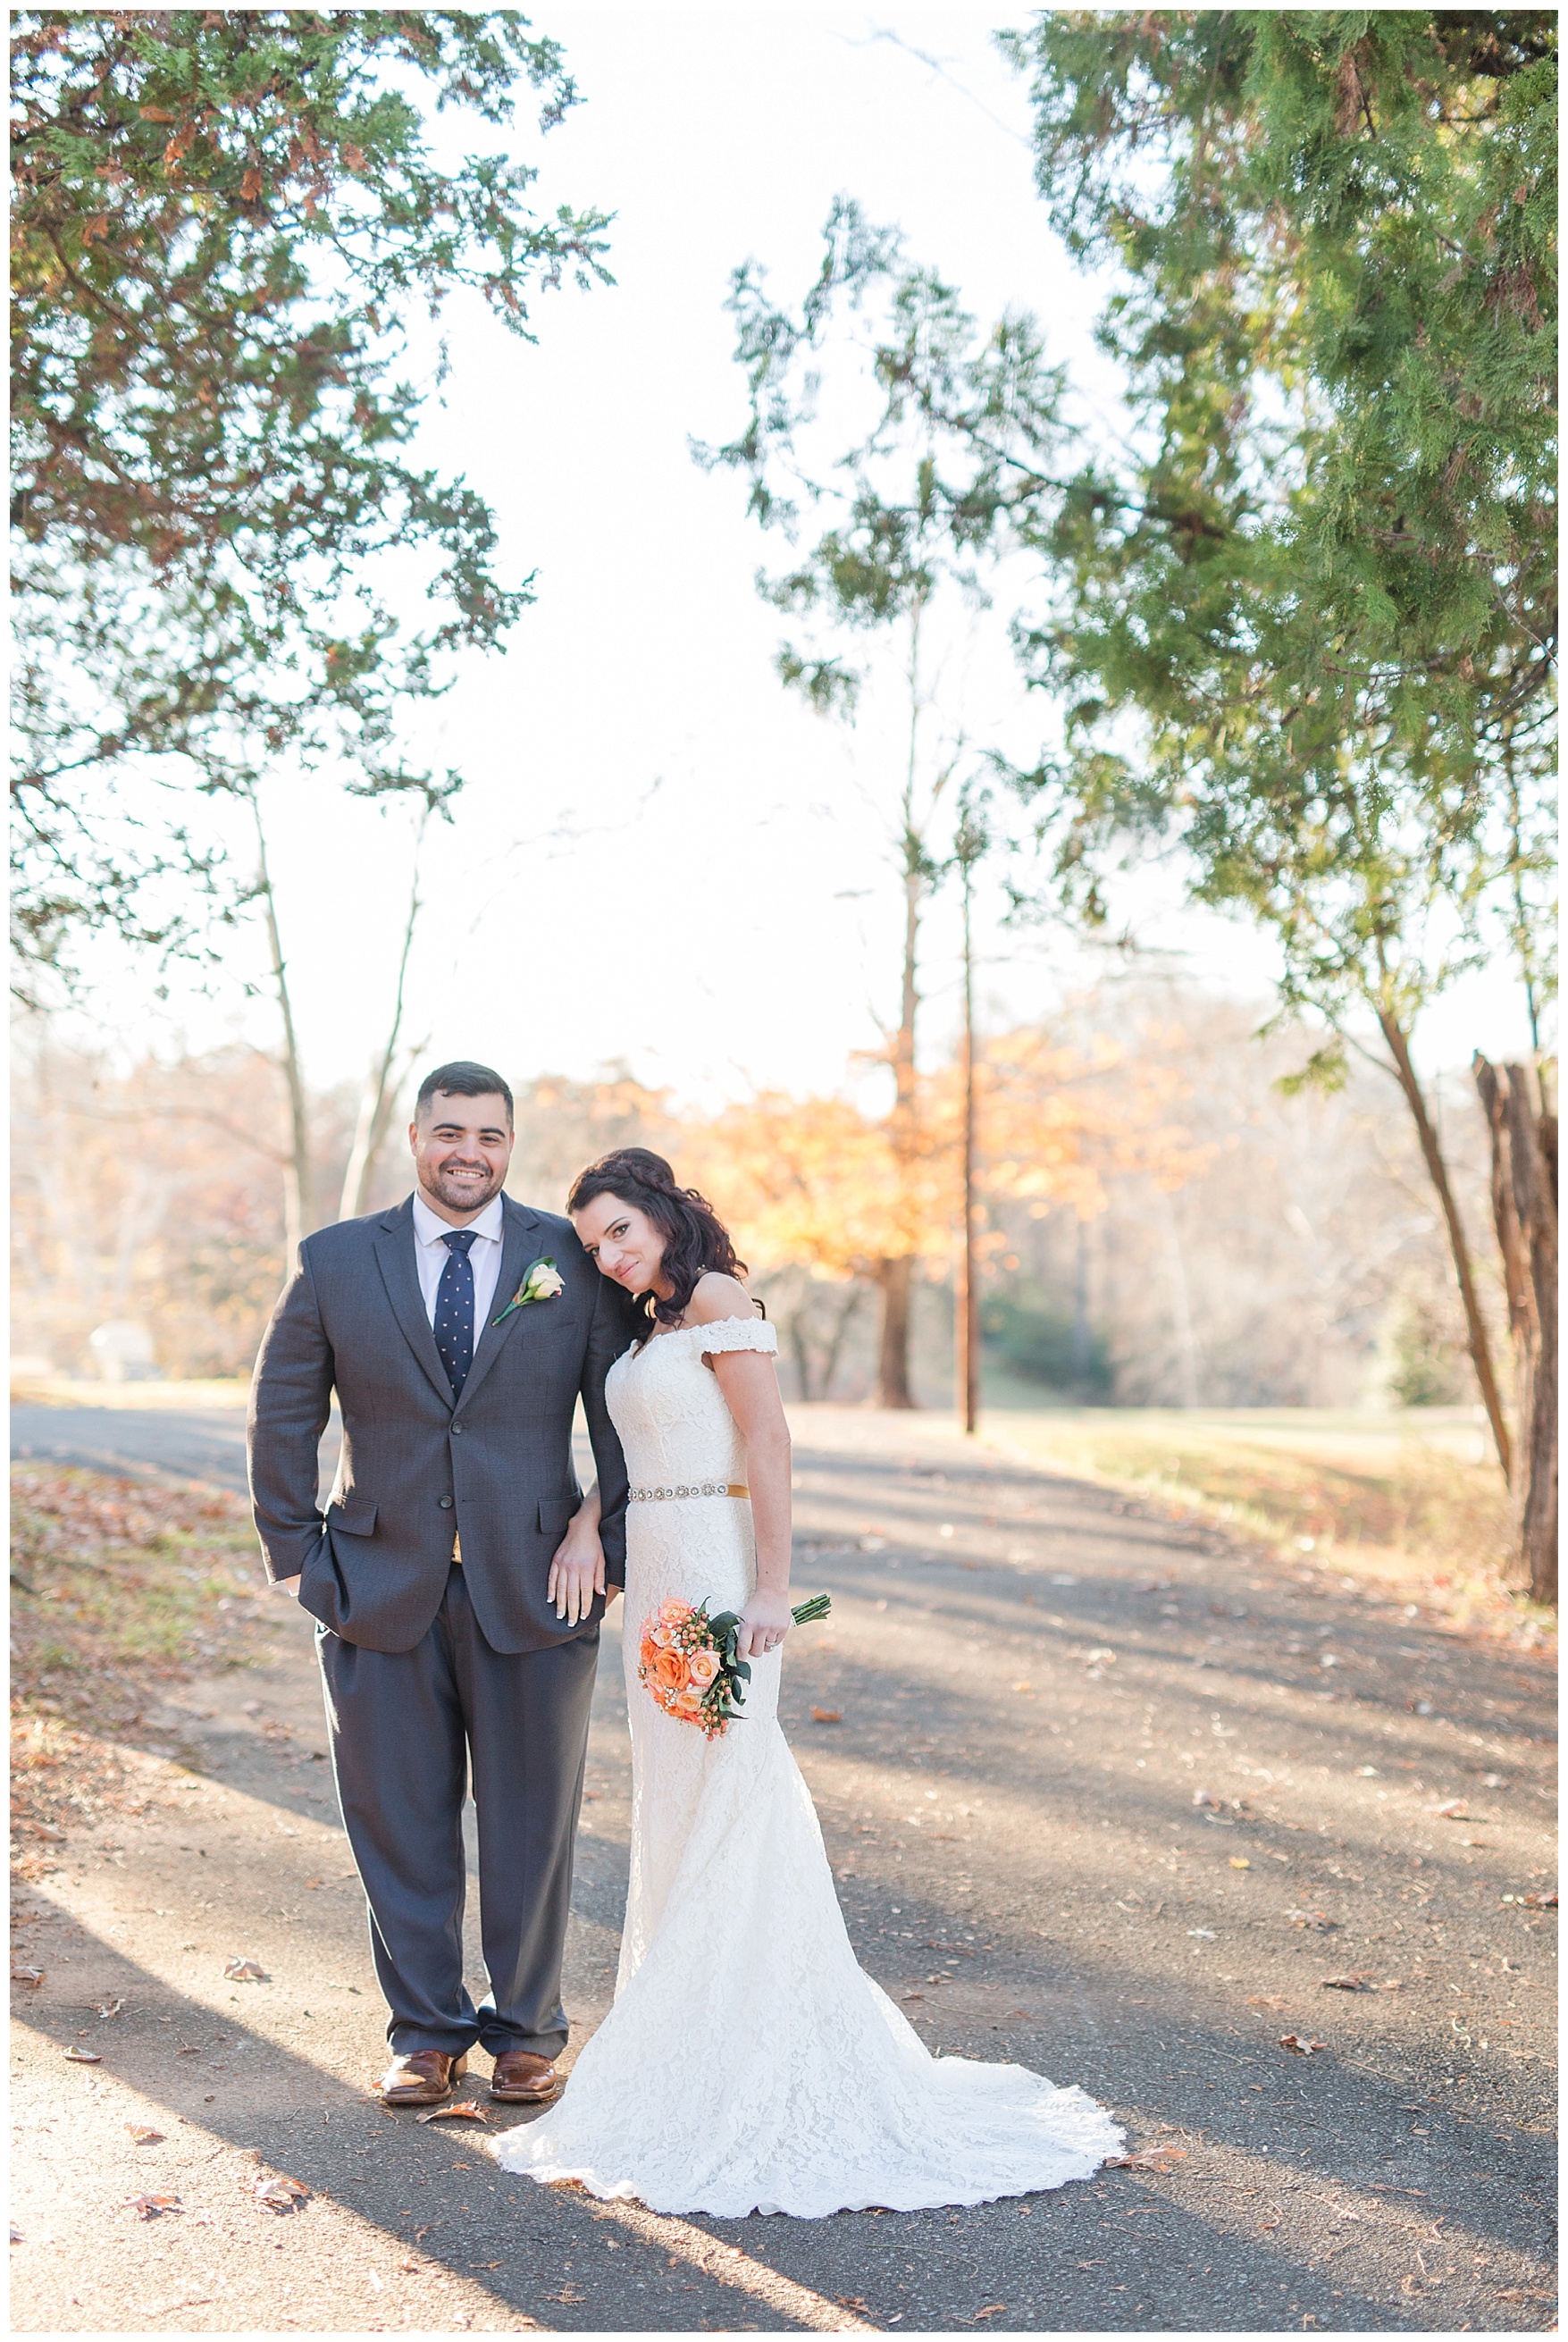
[697, 1488]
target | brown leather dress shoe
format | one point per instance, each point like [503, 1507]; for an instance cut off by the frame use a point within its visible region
[422, 2078]
[523, 2080]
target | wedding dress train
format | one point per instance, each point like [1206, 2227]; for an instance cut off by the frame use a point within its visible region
[749, 2064]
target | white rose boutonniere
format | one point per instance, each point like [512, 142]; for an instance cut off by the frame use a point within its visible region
[541, 1282]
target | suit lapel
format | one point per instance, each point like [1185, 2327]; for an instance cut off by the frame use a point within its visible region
[520, 1227]
[395, 1242]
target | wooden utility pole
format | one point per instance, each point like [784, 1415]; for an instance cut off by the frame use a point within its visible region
[967, 1345]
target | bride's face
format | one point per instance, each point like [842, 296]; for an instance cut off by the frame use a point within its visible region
[622, 1240]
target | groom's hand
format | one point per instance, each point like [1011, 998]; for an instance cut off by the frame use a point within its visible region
[576, 1575]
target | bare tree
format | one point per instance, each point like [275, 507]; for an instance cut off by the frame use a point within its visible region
[379, 1097]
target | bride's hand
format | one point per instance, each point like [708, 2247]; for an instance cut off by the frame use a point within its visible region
[764, 1622]
[576, 1575]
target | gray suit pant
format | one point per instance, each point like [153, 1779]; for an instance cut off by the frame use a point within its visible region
[404, 1727]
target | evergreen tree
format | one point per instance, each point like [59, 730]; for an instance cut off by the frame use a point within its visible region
[1322, 576]
[220, 220]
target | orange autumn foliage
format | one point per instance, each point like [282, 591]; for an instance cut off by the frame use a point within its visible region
[817, 1181]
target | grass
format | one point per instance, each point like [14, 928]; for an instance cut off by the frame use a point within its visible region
[119, 1588]
[1367, 1497]
[162, 1397]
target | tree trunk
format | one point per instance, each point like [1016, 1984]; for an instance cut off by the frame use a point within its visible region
[298, 1212]
[847, 1309]
[896, 1279]
[1524, 1207]
[795, 1328]
[1476, 1325]
[380, 1092]
[1083, 1350]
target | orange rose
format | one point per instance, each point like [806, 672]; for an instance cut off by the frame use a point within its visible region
[649, 1652]
[703, 1666]
[670, 1670]
[688, 1703]
[673, 1613]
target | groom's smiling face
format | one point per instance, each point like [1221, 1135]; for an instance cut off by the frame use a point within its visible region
[461, 1147]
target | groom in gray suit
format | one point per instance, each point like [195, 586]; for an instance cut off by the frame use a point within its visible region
[457, 1605]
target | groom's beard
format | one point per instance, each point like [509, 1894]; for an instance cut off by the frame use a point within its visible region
[465, 1194]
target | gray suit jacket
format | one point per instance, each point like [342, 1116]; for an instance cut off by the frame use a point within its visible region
[496, 1468]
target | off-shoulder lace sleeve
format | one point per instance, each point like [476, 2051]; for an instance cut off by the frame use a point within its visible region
[736, 1334]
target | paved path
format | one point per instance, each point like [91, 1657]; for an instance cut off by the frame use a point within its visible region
[1106, 1795]
[195, 1443]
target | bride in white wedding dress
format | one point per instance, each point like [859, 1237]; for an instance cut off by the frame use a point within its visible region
[749, 2064]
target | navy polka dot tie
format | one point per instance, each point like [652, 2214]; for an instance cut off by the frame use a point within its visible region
[454, 1310]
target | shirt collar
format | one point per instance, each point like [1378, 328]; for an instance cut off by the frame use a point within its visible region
[429, 1227]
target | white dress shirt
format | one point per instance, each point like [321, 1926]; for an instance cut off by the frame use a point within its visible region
[485, 1256]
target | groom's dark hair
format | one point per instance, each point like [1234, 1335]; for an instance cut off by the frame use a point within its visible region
[462, 1079]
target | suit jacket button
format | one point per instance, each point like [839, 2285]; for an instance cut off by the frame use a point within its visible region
[455, 1429]
[445, 1503]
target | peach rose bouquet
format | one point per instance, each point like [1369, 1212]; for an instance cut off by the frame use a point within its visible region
[687, 1661]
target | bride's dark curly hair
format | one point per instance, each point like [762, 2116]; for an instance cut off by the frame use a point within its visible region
[696, 1239]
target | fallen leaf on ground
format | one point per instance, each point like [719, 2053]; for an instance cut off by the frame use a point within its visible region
[828, 1715]
[1347, 1984]
[281, 2193]
[1455, 1810]
[1293, 2042]
[912, 1995]
[1268, 2000]
[113, 2008]
[1239, 1862]
[1206, 1798]
[17, 2237]
[84, 2057]
[992, 2310]
[460, 2110]
[144, 2135]
[238, 1971]
[28, 1975]
[1318, 1920]
[52, 1837]
[1146, 2159]
[1022, 1686]
[147, 2208]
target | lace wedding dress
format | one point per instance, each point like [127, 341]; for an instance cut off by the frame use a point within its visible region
[749, 2064]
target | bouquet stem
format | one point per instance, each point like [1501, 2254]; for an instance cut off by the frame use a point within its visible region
[818, 1606]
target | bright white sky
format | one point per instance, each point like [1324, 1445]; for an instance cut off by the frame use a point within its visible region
[659, 856]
